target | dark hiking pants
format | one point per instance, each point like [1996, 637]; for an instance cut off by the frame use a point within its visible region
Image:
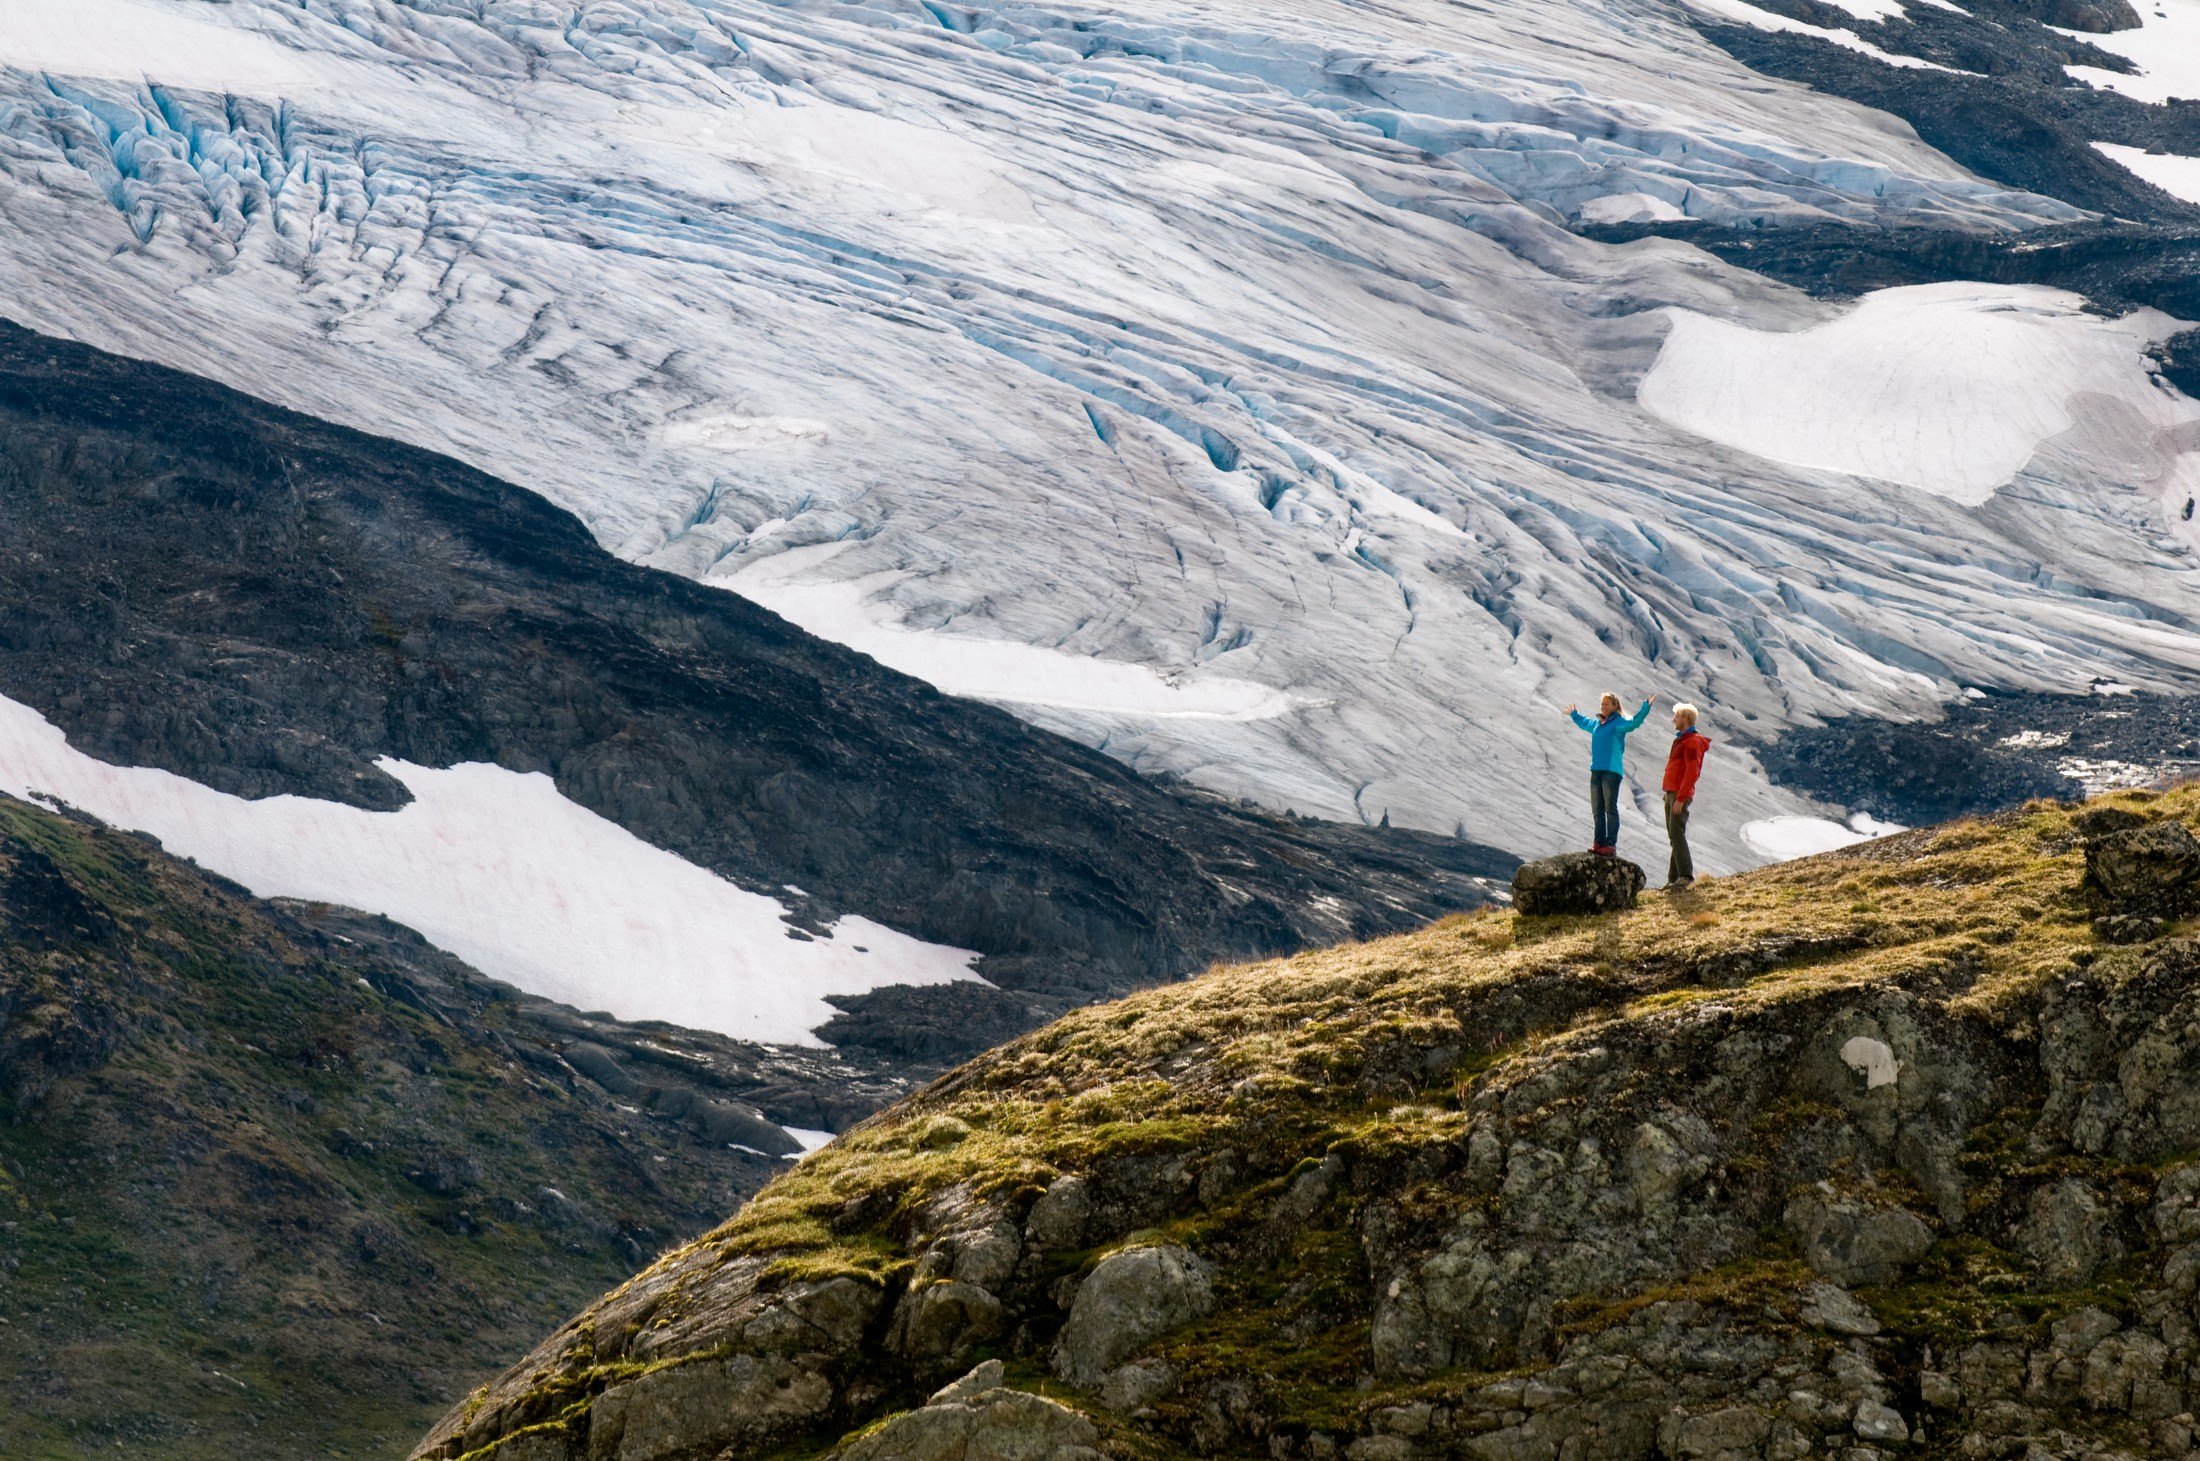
[1604, 806]
[1682, 868]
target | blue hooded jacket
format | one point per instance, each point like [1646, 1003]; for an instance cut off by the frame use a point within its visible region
[1608, 738]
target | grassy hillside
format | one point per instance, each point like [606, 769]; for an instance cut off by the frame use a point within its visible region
[1882, 1149]
[276, 1182]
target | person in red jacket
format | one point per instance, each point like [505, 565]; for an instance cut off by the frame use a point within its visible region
[1682, 766]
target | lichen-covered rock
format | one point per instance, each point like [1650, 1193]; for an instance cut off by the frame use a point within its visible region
[979, 1419]
[2152, 870]
[1514, 1190]
[1129, 1299]
[1576, 882]
[1853, 1242]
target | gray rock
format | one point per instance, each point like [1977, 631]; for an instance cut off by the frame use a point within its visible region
[1877, 1422]
[1834, 1309]
[1130, 1299]
[2067, 1234]
[992, 1424]
[2128, 928]
[1062, 1214]
[1576, 882]
[1138, 1384]
[944, 1321]
[2091, 823]
[1854, 1243]
[2152, 870]
[988, 1376]
[742, 1401]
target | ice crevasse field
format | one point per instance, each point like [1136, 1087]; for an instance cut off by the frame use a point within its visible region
[1225, 387]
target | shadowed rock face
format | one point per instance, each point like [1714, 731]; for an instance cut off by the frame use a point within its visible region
[1504, 1188]
[302, 1149]
[192, 580]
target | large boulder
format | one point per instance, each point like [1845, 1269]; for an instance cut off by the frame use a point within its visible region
[979, 1419]
[2152, 870]
[1577, 882]
[1128, 1300]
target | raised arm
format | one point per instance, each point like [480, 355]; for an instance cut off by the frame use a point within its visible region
[1579, 719]
[1634, 722]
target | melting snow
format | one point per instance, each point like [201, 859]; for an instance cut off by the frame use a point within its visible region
[989, 669]
[498, 868]
[2165, 47]
[1947, 388]
[1780, 839]
[2175, 175]
[1737, 12]
[810, 1140]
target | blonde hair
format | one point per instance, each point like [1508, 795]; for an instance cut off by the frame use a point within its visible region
[1607, 695]
[1686, 712]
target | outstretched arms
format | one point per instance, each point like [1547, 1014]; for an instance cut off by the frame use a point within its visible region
[1634, 722]
[1581, 720]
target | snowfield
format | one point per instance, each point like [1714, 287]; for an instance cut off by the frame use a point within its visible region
[498, 868]
[1220, 385]
[1947, 388]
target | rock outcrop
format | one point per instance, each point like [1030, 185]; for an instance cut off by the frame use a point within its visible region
[1576, 882]
[1879, 1153]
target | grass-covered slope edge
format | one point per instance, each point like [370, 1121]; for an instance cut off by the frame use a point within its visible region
[1880, 1149]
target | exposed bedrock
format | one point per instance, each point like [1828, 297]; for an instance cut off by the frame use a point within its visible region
[1922, 1183]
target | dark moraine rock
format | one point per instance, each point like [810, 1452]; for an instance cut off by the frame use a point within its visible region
[1576, 882]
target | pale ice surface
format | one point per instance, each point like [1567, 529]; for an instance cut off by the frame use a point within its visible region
[1947, 388]
[1215, 382]
[130, 40]
[498, 868]
[2165, 47]
[810, 1140]
[2175, 175]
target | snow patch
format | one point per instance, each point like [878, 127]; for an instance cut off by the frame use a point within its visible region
[1629, 208]
[2165, 47]
[1872, 1060]
[2175, 175]
[810, 1140]
[1782, 839]
[1946, 388]
[1738, 13]
[743, 433]
[989, 669]
[499, 869]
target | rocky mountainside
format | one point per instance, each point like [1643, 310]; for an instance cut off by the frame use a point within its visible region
[265, 604]
[1885, 1152]
[277, 1180]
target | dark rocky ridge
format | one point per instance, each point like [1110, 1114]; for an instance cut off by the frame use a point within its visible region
[194, 580]
[1989, 752]
[277, 1179]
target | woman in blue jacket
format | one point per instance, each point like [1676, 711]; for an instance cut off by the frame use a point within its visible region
[1607, 764]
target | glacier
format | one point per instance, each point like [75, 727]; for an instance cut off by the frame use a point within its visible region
[1226, 388]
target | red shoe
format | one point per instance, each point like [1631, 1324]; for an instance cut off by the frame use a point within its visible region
[1602, 850]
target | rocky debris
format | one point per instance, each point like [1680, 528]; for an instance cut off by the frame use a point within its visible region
[978, 1418]
[1132, 1297]
[1576, 882]
[2146, 871]
[1926, 1189]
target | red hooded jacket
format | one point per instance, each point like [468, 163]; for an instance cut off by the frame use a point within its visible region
[1685, 763]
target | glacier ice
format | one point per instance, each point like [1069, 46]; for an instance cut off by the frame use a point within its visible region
[1220, 385]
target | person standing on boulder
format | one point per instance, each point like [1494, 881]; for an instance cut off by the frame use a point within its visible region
[1683, 764]
[1608, 764]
